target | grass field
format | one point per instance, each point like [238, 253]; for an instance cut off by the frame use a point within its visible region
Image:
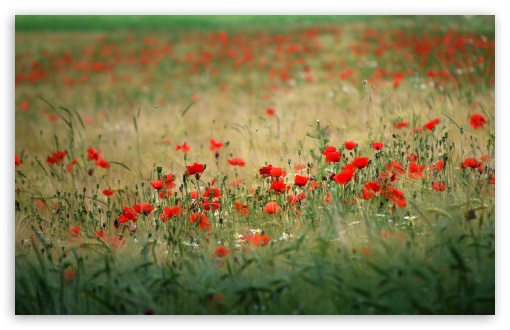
[255, 165]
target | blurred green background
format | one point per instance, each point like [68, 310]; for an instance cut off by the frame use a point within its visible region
[484, 24]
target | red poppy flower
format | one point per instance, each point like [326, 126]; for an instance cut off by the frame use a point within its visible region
[372, 185]
[266, 171]
[195, 168]
[360, 162]
[278, 186]
[201, 220]
[438, 186]
[215, 145]
[75, 231]
[128, 214]
[212, 192]
[343, 177]
[195, 194]
[367, 194]
[17, 161]
[210, 204]
[401, 124]
[431, 124]
[349, 145]
[470, 162]
[477, 121]
[328, 149]
[221, 251]
[417, 130]
[271, 207]
[103, 163]
[395, 195]
[183, 147]
[333, 157]
[242, 208]
[327, 199]
[257, 239]
[270, 112]
[300, 180]
[236, 162]
[437, 166]
[93, 154]
[56, 157]
[493, 180]
[101, 234]
[169, 181]
[292, 199]
[415, 170]
[157, 184]
[377, 145]
[143, 208]
[169, 212]
[277, 172]
[412, 157]
[107, 192]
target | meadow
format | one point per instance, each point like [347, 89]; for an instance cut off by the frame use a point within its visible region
[255, 165]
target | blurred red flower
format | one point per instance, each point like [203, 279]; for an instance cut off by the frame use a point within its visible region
[128, 214]
[75, 230]
[300, 180]
[215, 145]
[360, 162]
[257, 239]
[103, 163]
[278, 186]
[416, 171]
[107, 192]
[477, 121]
[169, 212]
[270, 112]
[349, 145]
[431, 124]
[242, 208]
[56, 157]
[195, 168]
[208, 204]
[143, 208]
[332, 155]
[93, 154]
[266, 171]
[236, 162]
[17, 161]
[271, 207]
[470, 162]
[377, 145]
[212, 192]
[183, 147]
[401, 124]
[343, 177]
[156, 184]
[438, 186]
[201, 220]
[276, 171]
[221, 251]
